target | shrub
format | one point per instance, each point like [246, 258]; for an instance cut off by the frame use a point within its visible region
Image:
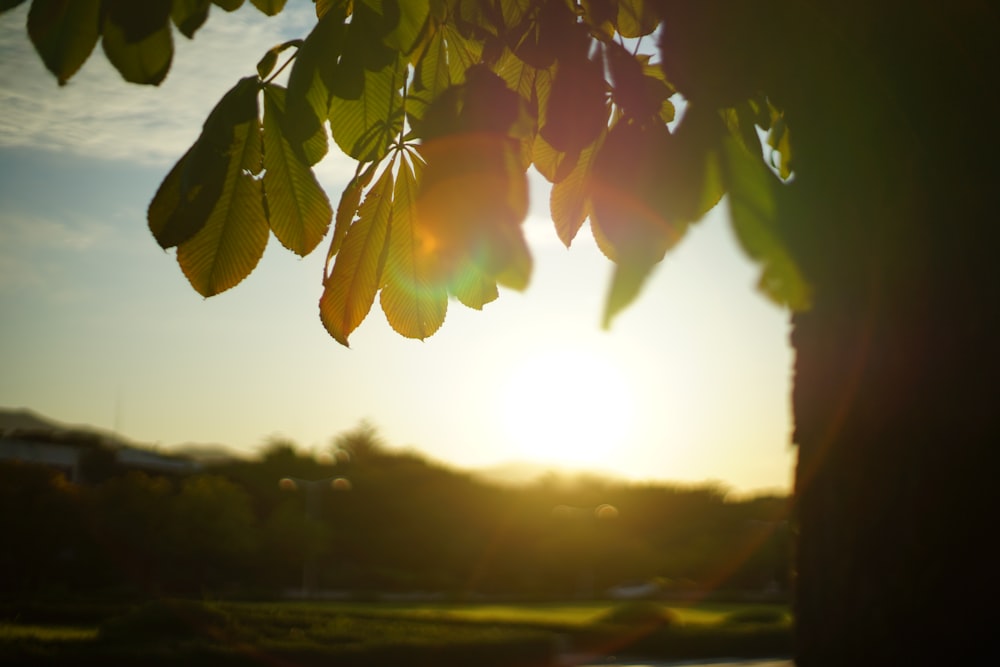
[762, 615]
[167, 620]
[639, 613]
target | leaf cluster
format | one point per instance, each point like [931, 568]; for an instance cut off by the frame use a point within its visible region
[445, 105]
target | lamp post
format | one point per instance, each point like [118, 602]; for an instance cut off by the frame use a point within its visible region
[313, 489]
[601, 513]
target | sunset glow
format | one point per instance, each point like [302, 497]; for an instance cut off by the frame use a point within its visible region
[567, 406]
[101, 328]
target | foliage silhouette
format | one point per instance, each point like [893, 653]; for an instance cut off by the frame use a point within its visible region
[407, 526]
[452, 101]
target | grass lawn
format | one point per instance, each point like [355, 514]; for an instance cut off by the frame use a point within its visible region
[376, 634]
[10, 632]
[542, 614]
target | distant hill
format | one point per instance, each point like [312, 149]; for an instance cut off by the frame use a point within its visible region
[25, 420]
[520, 473]
[208, 454]
[514, 473]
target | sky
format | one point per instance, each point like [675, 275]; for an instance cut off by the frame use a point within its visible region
[99, 326]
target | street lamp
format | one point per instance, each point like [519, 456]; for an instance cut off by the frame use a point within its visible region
[583, 516]
[313, 489]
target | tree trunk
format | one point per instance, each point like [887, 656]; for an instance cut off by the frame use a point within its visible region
[895, 398]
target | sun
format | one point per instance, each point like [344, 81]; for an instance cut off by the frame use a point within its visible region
[567, 406]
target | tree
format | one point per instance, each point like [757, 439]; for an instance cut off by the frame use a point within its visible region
[872, 231]
[40, 521]
[130, 524]
[211, 533]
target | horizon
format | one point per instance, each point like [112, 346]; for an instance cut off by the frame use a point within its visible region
[691, 383]
[512, 472]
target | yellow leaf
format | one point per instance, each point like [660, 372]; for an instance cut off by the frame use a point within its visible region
[473, 198]
[269, 7]
[568, 198]
[635, 19]
[145, 61]
[365, 127]
[233, 238]
[297, 206]
[357, 274]
[413, 305]
[64, 33]
[472, 287]
[410, 17]
[350, 199]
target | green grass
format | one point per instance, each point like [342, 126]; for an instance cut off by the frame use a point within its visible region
[307, 633]
[45, 633]
[544, 614]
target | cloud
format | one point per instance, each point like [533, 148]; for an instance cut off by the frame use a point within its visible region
[28, 232]
[98, 114]
[34, 250]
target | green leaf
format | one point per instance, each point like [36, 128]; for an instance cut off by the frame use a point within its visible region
[266, 63]
[362, 51]
[146, 61]
[270, 59]
[577, 109]
[9, 4]
[189, 193]
[473, 198]
[364, 128]
[463, 53]
[324, 6]
[779, 141]
[568, 199]
[519, 76]
[350, 200]
[600, 238]
[628, 192]
[640, 90]
[473, 288]
[515, 271]
[189, 15]
[660, 86]
[64, 33]
[552, 164]
[753, 193]
[692, 169]
[168, 221]
[626, 283]
[407, 18]
[432, 74]
[137, 20]
[269, 7]
[309, 150]
[542, 93]
[228, 5]
[635, 18]
[600, 15]
[357, 274]
[413, 304]
[739, 121]
[539, 33]
[232, 241]
[308, 95]
[298, 208]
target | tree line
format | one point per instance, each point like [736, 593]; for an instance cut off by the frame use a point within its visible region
[286, 521]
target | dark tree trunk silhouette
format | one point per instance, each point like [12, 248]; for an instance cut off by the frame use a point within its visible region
[896, 366]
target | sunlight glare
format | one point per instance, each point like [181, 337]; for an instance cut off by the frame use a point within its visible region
[570, 407]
